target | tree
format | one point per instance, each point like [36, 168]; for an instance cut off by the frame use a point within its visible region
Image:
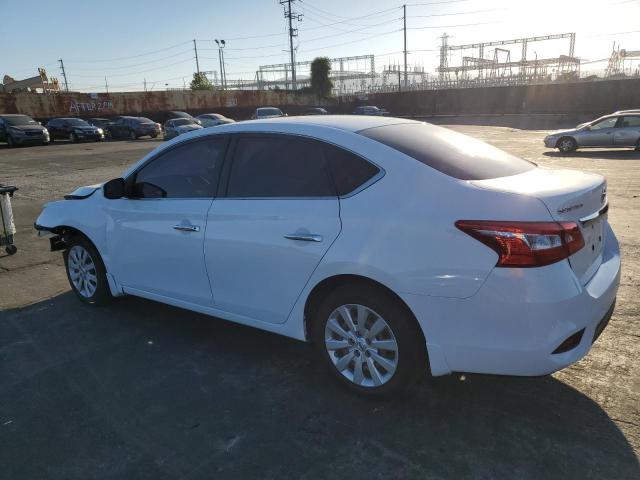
[320, 82]
[200, 82]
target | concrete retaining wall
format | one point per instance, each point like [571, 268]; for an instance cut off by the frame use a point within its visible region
[583, 99]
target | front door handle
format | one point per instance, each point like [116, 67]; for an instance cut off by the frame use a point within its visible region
[187, 228]
[305, 237]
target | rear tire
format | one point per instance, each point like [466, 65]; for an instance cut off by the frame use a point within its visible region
[638, 145]
[132, 135]
[567, 145]
[378, 351]
[11, 249]
[86, 272]
[10, 142]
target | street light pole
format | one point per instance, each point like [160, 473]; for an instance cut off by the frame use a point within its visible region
[223, 75]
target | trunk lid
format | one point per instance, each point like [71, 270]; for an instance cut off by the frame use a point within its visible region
[570, 196]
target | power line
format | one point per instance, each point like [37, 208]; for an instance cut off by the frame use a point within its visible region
[141, 71]
[453, 26]
[137, 64]
[130, 56]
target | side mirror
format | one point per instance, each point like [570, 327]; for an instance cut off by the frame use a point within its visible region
[114, 189]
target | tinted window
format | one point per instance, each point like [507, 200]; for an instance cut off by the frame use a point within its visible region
[187, 171]
[269, 111]
[348, 171]
[144, 120]
[76, 122]
[631, 122]
[54, 123]
[278, 166]
[449, 152]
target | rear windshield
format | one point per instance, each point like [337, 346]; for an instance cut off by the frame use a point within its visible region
[144, 120]
[183, 121]
[269, 111]
[452, 153]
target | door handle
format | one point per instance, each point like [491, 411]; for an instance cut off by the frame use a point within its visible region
[305, 237]
[187, 228]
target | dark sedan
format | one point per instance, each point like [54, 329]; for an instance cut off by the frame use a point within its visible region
[134, 128]
[74, 130]
[22, 130]
[104, 123]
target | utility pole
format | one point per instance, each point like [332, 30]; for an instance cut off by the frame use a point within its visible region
[404, 10]
[64, 75]
[145, 85]
[195, 49]
[106, 85]
[293, 32]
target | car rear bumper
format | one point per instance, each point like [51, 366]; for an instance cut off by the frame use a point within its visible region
[519, 318]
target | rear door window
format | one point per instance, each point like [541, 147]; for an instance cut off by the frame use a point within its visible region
[449, 152]
[348, 171]
[278, 166]
[630, 122]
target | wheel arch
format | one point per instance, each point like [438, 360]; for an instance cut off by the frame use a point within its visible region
[326, 285]
[575, 142]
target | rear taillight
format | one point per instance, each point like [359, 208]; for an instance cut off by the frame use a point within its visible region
[526, 244]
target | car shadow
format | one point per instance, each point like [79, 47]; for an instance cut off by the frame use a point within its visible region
[142, 390]
[626, 154]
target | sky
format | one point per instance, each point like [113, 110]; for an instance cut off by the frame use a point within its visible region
[133, 41]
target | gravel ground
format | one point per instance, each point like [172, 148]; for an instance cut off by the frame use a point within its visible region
[144, 390]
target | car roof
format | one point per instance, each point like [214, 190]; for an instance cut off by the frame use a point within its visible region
[15, 115]
[69, 118]
[351, 123]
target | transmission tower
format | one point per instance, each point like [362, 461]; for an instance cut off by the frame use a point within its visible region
[293, 32]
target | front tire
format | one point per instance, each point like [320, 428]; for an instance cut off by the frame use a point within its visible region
[132, 135]
[368, 340]
[567, 145]
[73, 138]
[86, 272]
[10, 141]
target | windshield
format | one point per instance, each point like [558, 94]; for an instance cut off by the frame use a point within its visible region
[76, 122]
[269, 111]
[183, 121]
[20, 120]
[449, 152]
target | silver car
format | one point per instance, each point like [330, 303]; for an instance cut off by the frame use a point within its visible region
[621, 129]
[178, 126]
[267, 112]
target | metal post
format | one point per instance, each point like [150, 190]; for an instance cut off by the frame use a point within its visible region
[404, 9]
[64, 75]
[293, 65]
[224, 70]
[106, 85]
[195, 49]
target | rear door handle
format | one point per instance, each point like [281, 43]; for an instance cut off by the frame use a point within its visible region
[187, 228]
[305, 237]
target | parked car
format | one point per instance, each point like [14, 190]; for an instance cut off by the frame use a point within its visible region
[621, 129]
[18, 129]
[213, 120]
[178, 126]
[370, 110]
[74, 130]
[267, 112]
[134, 128]
[104, 123]
[316, 111]
[392, 245]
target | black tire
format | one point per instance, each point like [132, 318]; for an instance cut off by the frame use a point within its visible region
[638, 145]
[567, 145]
[411, 349]
[11, 249]
[10, 142]
[132, 135]
[73, 137]
[101, 295]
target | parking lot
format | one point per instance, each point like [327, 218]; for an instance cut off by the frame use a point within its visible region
[143, 390]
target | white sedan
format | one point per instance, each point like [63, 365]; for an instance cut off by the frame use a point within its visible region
[392, 245]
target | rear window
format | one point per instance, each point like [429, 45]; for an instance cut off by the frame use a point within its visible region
[449, 152]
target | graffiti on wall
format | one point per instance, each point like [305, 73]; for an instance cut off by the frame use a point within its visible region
[90, 107]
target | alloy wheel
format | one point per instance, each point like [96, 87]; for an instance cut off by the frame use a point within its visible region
[361, 345]
[82, 271]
